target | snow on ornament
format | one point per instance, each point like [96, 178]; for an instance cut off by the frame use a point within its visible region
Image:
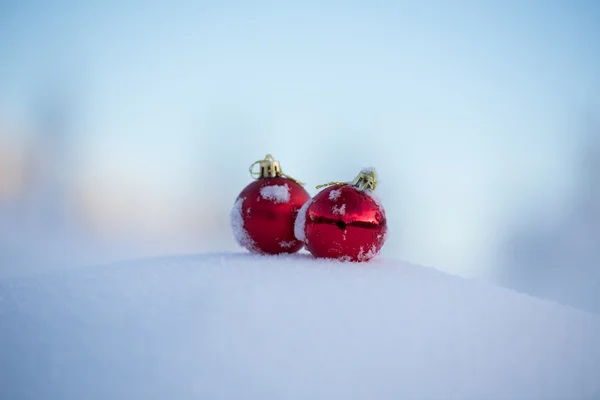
[264, 213]
[344, 221]
[277, 193]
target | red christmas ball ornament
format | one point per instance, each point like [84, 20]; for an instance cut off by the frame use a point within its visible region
[344, 221]
[264, 213]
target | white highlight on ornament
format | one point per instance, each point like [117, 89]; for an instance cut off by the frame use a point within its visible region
[341, 210]
[276, 193]
[286, 245]
[237, 225]
[300, 222]
[335, 194]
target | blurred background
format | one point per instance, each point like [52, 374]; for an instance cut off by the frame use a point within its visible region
[126, 128]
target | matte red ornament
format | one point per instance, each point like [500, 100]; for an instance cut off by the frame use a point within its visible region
[344, 221]
[264, 213]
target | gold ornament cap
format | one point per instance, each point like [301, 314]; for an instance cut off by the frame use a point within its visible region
[366, 179]
[269, 168]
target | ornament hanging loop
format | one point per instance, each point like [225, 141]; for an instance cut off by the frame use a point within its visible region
[365, 180]
[269, 168]
[254, 174]
[330, 184]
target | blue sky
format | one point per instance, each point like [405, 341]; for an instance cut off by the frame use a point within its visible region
[469, 110]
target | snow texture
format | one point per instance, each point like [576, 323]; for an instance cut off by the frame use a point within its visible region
[341, 210]
[335, 194]
[242, 326]
[300, 222]
[237, 225]
[276, 193]
[368, 170]
[363, 256]
[286, 245]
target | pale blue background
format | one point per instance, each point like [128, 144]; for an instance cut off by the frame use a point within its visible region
[476, 115]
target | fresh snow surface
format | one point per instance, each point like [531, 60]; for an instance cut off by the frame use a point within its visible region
[300, 222]
[276, 193]
[240, 326]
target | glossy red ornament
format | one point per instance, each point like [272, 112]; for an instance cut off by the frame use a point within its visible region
[264, 213]
[343, 222]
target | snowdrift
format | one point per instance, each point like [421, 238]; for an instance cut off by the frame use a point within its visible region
[238, 326]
